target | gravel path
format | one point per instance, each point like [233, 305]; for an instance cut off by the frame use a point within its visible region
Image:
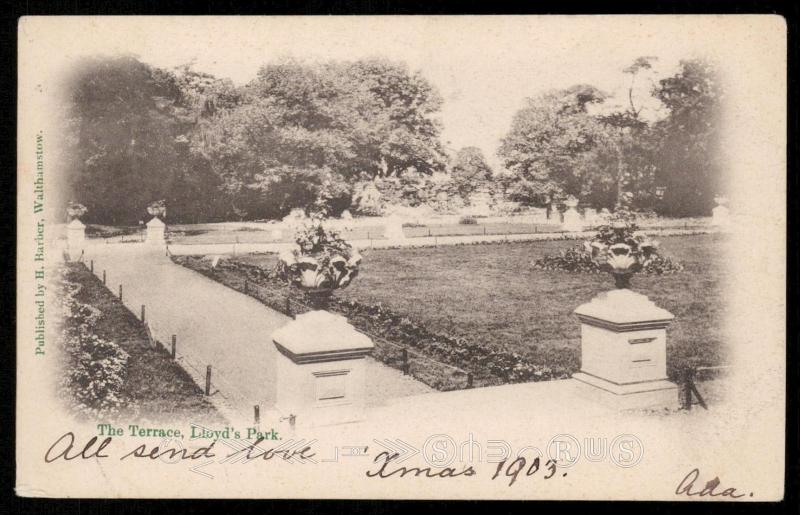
[188, 248]
[216, 326]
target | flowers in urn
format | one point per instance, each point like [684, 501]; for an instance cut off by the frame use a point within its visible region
[620, 249]
[617, 248]
[157, 208]
[76, 210]
[320, 263]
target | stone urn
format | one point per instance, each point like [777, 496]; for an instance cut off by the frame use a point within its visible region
[320, 264]
[620, 252]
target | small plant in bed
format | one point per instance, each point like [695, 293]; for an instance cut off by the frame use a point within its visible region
[618, 247]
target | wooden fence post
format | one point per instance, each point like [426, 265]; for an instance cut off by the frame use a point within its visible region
[143, 312]
[104, 277]
[174, 345]
[91, 265]
[246, 286]
[469, 379]
[405, 361]
[120, 292]
[687, 391]
[256, 414]
[289, 308]
[208, 380]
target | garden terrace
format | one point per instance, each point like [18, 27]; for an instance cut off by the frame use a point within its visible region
[485, 309]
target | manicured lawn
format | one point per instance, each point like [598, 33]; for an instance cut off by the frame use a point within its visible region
[491, 294]
[156, 387]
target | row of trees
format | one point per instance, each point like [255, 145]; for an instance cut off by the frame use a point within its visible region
[330, 135]
[572, 142]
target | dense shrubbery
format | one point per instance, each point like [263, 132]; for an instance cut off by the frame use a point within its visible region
[468, 220]
[578, 259]
[94, 368]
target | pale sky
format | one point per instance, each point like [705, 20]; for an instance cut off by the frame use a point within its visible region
[484, 67]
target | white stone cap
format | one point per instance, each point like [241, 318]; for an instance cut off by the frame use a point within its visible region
[319, 336]
[76, 224]
[623, 310]
[156, 222]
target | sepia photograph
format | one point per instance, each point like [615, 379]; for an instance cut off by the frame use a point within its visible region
[402, 257]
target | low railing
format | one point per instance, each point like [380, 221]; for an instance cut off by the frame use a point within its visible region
[689, 393]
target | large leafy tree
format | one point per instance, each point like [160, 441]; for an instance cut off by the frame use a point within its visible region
[376, 116]
[134, 134]
[551, 149]
[306, 133]
[469, 171]
[630, 139]
[689, 154]
[123, 120]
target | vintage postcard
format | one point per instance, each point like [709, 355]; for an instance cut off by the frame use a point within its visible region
[402, 257]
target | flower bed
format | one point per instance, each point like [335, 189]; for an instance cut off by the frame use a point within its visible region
[617, 247]
[109, 369]
[94, 368]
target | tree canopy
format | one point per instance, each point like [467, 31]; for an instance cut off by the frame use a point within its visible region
[555, 146]
[469, 172]
[340, 134]
[298, 135]
[689, 166]
[573, 142]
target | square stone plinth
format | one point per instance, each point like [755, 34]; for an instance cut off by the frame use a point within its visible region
[320, 370]
[624, 357]
[155, 231]
[624, 349]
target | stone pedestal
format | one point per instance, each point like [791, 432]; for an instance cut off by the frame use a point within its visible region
[320, 370]
[394, 229]
[623, 350]
[720, 216]
[554, 215]
[155, 231]
[76, 235]
[590, 216]
[572, 220]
